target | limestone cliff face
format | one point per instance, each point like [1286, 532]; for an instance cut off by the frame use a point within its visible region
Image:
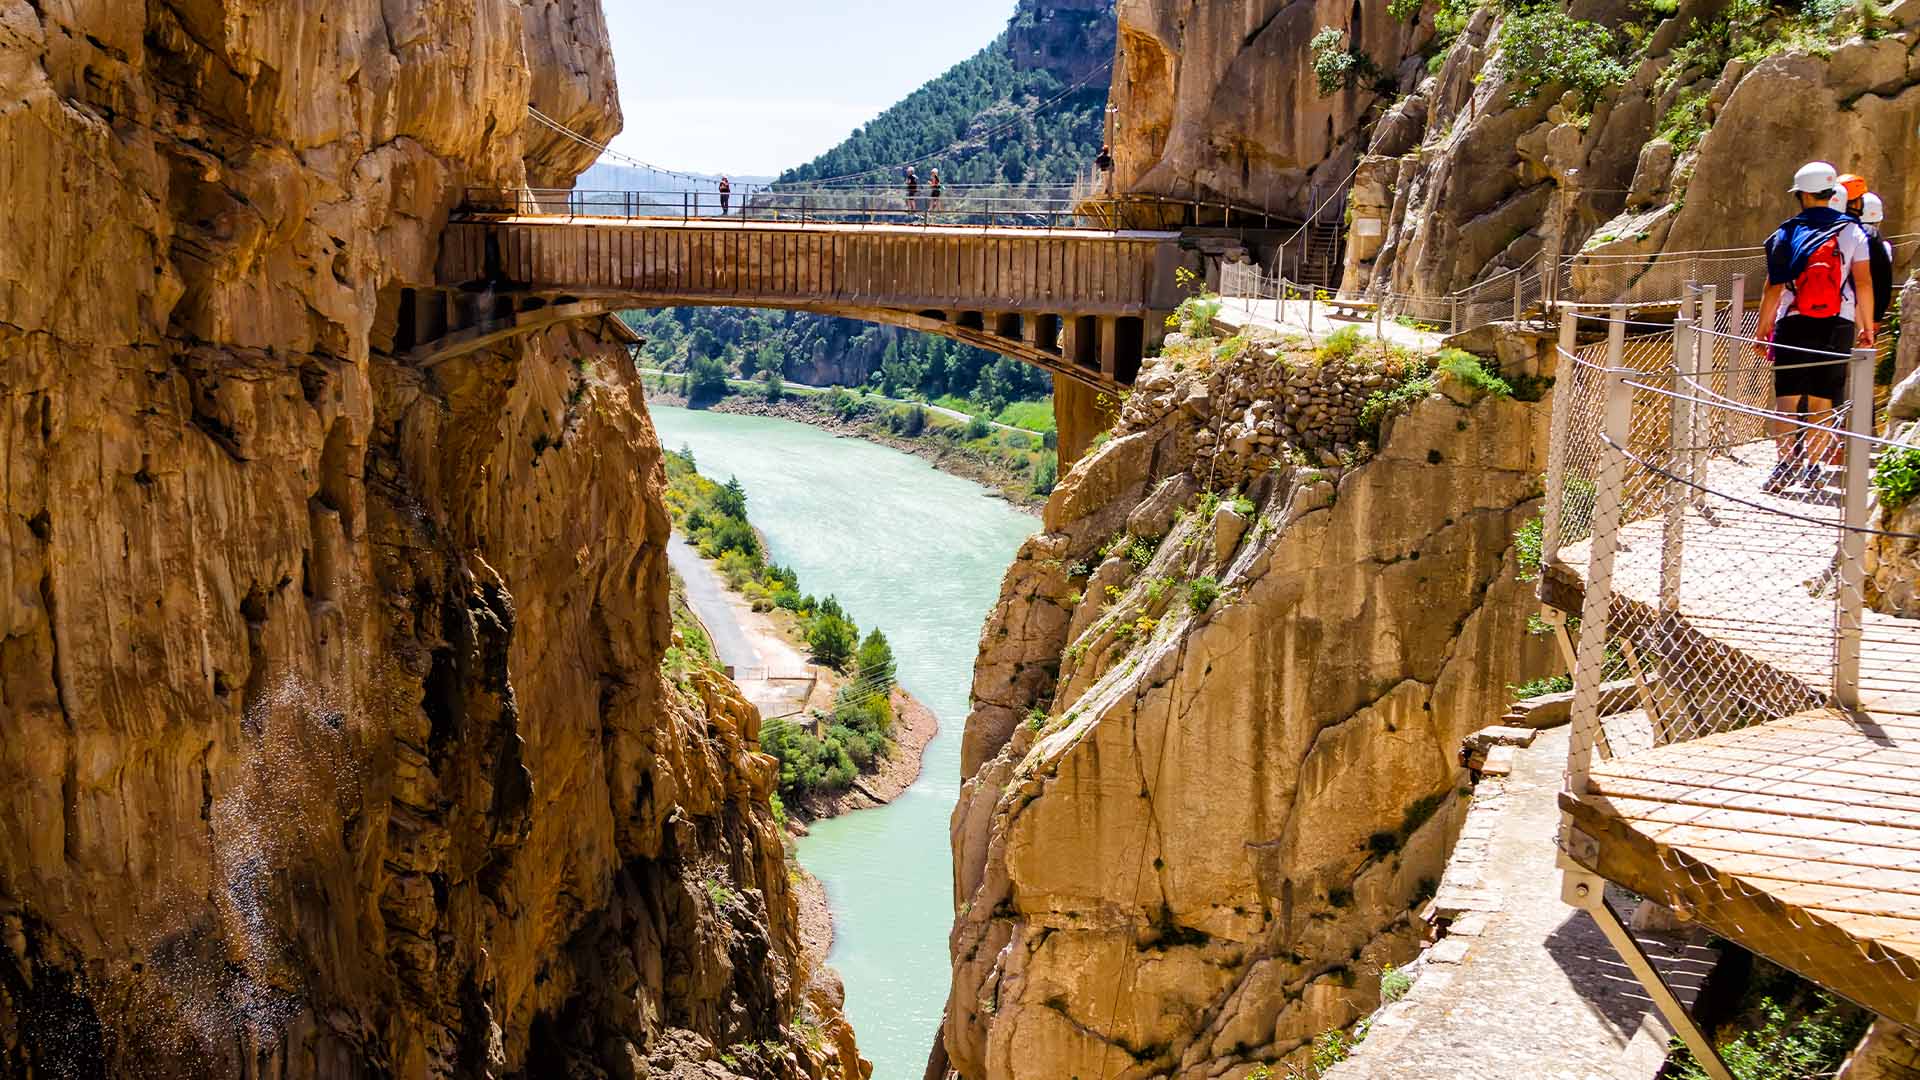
[1459, 171]
[336, 739]
[1194, 829]
[1462, 176]
[1218, 100]
[1071, 38]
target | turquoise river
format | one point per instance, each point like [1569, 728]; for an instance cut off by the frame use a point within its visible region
[919, 554]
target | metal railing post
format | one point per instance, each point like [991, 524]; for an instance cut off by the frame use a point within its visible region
[1517, 282]
[1453, 314]
[1586, 737]
[1680, 443]
[1850, 598]
[1563, 376]
[1706, 349]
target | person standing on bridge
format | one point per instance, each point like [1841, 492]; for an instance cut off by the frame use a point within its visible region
[726, 194]
[913, 190]
[933, 188]
[1104, 162]
[1817, 264]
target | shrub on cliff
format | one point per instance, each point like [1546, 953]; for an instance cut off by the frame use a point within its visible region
[1896, 477]
[1544, 46]
[1046, 474]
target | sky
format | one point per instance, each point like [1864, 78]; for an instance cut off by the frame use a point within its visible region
[754, 87]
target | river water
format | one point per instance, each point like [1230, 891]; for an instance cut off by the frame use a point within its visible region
[919, 554]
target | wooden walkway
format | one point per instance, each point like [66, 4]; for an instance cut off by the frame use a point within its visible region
[1799, 837]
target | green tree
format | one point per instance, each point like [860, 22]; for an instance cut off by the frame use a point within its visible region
[769, 360]
[731, 498]
[706, 380]
[876, 661]
[831, 636]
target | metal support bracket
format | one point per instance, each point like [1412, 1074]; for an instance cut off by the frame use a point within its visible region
[1587, 891]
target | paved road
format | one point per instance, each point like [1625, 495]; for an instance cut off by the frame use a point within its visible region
[708, 599]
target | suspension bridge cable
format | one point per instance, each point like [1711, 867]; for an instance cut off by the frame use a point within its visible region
[608, 151]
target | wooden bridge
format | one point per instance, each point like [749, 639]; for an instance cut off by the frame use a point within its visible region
[1084, 303]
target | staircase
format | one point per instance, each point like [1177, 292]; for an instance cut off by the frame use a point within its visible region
[1322, 250]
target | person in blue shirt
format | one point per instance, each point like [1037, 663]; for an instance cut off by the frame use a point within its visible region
[1817, 265]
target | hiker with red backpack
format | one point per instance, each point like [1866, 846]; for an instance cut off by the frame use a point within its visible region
[1817, 263]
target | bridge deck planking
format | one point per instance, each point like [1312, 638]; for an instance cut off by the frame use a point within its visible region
[859, 265]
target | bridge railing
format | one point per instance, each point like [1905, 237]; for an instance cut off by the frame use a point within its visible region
[978, 206]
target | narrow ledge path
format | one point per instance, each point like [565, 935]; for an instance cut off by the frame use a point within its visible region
[1524, 987]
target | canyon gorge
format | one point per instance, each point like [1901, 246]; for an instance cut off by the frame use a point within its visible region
[337, 738]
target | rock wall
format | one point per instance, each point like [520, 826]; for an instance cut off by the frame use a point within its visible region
[337, 743]
[1468, 173]
[1218, 99]
[1458, 170]
[1195, 826]
[1071, 38]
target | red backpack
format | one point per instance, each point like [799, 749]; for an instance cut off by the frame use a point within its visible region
[1817, 291]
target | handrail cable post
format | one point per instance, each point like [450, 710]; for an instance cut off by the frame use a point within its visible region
[1586, 738]
[1453, 314]
[1675, 495]
[1706, 350]
[1850, 598]
[1563, 376]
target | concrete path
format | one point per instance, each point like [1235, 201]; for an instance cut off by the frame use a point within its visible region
[1315, 320]
[770, 673]
[1524, 988]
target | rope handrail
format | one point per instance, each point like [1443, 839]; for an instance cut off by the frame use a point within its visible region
[1790, 419]
[1724, 253]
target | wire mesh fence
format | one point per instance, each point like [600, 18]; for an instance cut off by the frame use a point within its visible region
[1718, 541]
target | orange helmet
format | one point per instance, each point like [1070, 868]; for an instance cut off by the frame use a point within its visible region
[1856, 185]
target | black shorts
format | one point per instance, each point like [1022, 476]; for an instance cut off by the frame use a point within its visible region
[1795, 333]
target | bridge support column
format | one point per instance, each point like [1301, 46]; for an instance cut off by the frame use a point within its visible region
[1079, 413]
[1108, 329]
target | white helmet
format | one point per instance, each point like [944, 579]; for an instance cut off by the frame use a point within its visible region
[1871, 212]
[1815, 177]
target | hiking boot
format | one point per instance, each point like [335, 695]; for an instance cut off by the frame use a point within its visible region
[1785, 472]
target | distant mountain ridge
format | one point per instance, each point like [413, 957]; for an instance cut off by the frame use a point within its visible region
[1003, 97]
[606, 176]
